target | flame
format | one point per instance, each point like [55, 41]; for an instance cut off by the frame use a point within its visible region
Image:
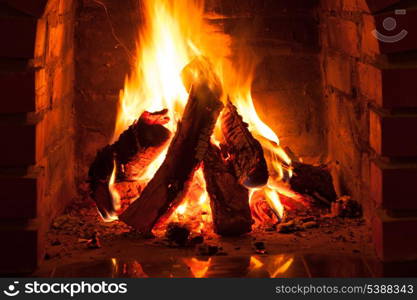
[116, 199]
[173, 34]
[167, 43]
[255, 263]
[275, 203]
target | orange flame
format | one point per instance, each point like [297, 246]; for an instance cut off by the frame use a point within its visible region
[112, 215]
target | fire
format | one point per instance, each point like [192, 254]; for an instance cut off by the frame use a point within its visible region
[174, 33]
[167, 42]
[112, 216]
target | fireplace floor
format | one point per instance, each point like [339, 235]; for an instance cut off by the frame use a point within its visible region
[314, 252]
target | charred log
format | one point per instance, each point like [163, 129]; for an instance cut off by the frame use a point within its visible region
[139, 145]
[189, 146]
[229, 200]
[246, 153]
[315, 181]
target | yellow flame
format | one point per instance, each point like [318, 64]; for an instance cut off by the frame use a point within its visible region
[274, 201]
[182, 208]
[173, 33]
[112, 216]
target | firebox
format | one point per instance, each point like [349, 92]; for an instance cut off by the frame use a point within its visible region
[269, 137]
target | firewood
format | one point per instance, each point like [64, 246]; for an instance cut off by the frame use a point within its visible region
[246, 153]
[99, 177]
[139, 145]
[229, 200]
[315, 181]
[136, 147]
[167, 188]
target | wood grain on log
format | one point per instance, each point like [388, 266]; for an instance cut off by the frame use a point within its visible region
[167, 188]
[136, 147]
[229, 200]
[246, 153]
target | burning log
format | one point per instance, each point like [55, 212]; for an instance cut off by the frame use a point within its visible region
[315, 181]
[245, 151]
[185, 153]
[139, 145]
[229, 200]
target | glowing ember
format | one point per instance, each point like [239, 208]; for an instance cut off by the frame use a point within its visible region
[173, 35]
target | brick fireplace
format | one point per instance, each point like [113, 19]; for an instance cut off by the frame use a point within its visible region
[330, 89]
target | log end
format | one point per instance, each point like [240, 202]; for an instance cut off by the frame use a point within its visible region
[257, 177]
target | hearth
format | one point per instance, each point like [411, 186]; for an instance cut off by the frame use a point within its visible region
[254, 131]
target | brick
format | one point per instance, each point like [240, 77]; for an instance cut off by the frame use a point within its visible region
[18, 146]
[19, 252]
[28, 144]
[335, 5]
[394, 136]
[393, 186]
[282, 72]
[18, 36]
[19, 196]
[370, 45]
[370, 82]
[32, 7]
[390, 87]
[355, 6]
[338, 73]
[395, 238]
[343, 35]
[18, 92]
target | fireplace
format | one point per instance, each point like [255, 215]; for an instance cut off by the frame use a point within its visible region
[327, 78]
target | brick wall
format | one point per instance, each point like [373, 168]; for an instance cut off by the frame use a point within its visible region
[371, 102]
[36, 125]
